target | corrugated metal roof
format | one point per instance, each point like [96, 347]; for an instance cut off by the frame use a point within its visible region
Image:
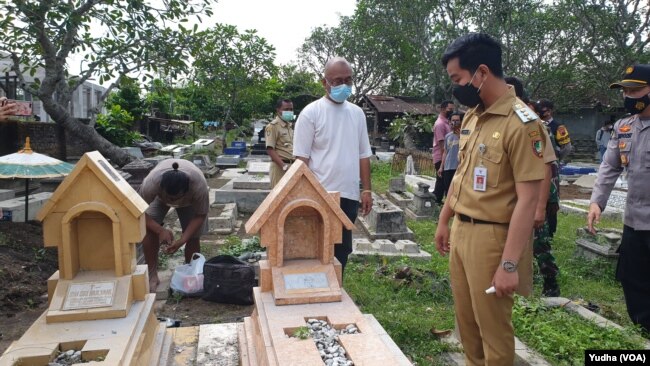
[389, 104]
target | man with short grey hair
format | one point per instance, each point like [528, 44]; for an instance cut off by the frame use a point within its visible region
[331, 137]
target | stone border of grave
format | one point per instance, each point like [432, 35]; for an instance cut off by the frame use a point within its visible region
[584, 313]
[524, 356]
[363, 247]
[226, 222]
[565, 207]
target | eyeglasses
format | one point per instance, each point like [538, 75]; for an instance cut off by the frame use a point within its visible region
[340, 81]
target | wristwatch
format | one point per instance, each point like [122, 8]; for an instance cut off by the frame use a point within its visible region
[509, 266]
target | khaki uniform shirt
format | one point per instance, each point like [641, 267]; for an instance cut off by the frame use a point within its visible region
[628, 148]
[512, 152]
[279, 136]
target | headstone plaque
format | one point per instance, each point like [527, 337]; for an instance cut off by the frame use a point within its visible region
[302, 281]
[89, 295]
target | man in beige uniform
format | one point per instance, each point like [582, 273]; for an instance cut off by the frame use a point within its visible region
[279, 140]
[493, 197]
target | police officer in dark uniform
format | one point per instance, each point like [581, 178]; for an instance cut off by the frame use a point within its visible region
[628, 152]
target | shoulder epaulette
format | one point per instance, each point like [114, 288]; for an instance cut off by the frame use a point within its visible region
[524, 113]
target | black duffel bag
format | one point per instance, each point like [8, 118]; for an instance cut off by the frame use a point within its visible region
[228, 280]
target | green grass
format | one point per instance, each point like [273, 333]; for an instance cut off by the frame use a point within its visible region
[408, 311]
[560, 335]
[591, 281]
[381, 173]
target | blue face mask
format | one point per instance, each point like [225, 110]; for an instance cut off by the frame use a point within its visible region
[287, 116]
[340, 93]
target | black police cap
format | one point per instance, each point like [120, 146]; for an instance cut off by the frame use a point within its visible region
[636, 76]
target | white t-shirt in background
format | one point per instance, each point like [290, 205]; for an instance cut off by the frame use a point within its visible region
[333, 137]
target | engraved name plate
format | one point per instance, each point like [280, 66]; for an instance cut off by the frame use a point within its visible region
[89, 295]
[301, 281]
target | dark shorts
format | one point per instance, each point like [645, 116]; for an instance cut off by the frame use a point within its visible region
[158, 210]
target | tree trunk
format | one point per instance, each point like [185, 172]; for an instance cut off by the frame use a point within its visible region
[409, 140]
[78, 131]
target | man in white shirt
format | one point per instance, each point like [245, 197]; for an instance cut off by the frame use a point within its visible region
[332, 138]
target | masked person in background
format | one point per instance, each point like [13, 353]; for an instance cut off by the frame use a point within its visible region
[332, 138]
[279, 140]
[450, 153]
[628, 150]
[440, 129]
[558, 131]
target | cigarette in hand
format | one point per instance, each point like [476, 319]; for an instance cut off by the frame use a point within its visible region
[491, 290]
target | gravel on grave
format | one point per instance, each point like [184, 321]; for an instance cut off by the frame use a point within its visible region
[67, 358]
[327, 342]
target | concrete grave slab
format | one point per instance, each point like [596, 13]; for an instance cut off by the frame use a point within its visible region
[227, 161]
[585, 181]
[224, 223]
[385, 221]
[14, 209]
[247, 200]
[218, 345]
[252, 182]
[154, 160]
[134, 152]
[413, 180]
[388, 249]
[400, 199]
[423, 206]
[7, 194]
[258, 167]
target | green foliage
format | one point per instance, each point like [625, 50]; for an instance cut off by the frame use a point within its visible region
[128, 97]
[134, 37]
[381, 173]
[116, 126]
[301, 332]
[406, 129]
[395, 46]
[235, 246]
[561, 336]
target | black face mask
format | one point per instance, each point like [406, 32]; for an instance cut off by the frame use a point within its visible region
[468, 94]
[448, 114]
[636, 105]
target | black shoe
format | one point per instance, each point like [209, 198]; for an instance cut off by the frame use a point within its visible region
[551, 288]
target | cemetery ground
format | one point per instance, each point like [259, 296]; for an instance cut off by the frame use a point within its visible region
[412, 300]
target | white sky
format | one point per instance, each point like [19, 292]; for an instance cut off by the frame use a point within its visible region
[284, 23]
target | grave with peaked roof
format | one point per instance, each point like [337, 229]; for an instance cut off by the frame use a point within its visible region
[301, 280]
[98, 301]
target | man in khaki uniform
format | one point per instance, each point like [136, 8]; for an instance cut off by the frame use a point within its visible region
[279, 140]
[493, 197]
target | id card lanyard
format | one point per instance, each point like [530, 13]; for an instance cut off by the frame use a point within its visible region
[480, 171]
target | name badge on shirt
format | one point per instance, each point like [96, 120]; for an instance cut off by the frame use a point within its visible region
[480, 178]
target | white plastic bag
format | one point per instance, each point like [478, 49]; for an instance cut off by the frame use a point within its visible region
[188, 278]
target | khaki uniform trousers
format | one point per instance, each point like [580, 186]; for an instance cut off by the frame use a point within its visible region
[275, 173]
[484, 320]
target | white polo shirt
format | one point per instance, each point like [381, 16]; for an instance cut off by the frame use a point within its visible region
[333, 137]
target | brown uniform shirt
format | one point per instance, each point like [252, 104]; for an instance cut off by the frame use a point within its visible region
[279, 136]
[512, 152]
